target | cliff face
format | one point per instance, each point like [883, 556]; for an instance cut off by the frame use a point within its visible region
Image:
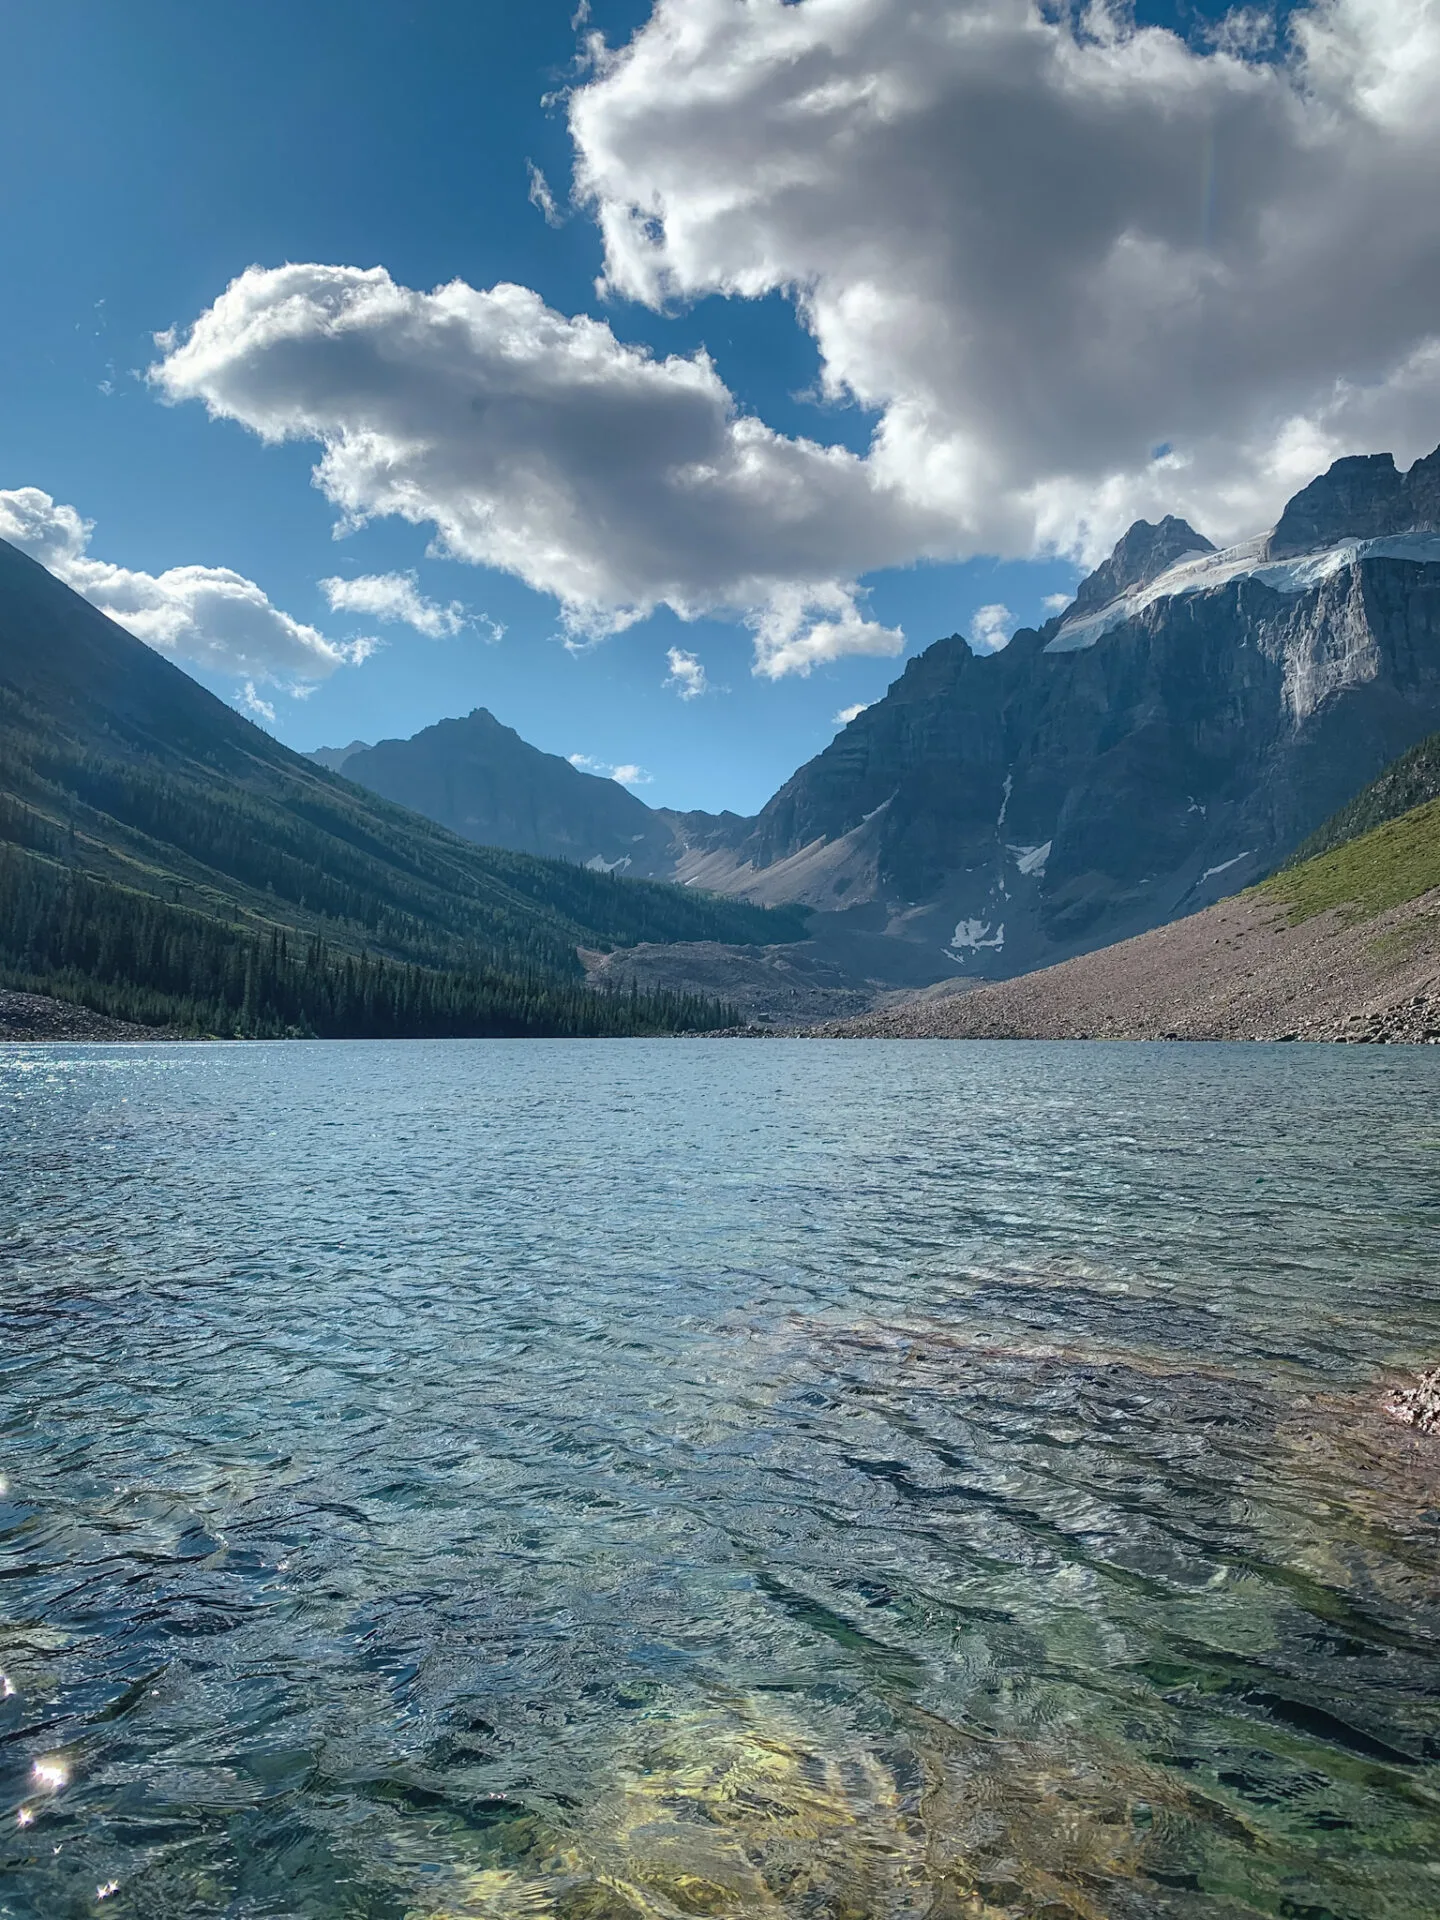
[1344, 945]
[1170, 737]
[1143, 554]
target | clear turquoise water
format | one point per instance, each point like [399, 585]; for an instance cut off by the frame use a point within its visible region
[669, 1478]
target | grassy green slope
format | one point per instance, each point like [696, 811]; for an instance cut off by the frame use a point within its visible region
[186, 831]
[1379, 852]
[1391, 864]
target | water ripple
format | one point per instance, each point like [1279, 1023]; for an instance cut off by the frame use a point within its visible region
[655, 1479]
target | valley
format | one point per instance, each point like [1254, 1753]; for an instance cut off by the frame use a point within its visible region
[167, 863]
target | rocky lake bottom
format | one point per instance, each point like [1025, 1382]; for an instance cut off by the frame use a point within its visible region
[625, 1479]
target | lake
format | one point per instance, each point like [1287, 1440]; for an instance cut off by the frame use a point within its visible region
[789, 1478]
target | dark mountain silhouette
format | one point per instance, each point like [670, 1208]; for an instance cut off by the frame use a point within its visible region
[485, 783]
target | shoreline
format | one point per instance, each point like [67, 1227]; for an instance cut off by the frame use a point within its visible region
[35, 1018]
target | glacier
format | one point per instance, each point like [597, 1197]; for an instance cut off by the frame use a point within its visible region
[1200, 572]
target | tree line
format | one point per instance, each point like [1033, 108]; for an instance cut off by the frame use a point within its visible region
[135, 957]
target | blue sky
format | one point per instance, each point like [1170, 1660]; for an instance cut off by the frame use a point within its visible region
[161, 149]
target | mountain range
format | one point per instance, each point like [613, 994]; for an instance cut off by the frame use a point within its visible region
[1175, 732]
[1182, 727]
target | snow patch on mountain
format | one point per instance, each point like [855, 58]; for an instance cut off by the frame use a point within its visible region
[1031, 860]
[1225, 865]
[971, 935]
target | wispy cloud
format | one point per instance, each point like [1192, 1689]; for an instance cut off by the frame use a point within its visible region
[847, 714]
[626, 773]
[686, 675]
[540, 196]
[1244, 33]
[396, 599]
[249, 701]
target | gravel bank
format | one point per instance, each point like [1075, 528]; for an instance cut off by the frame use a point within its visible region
[789, 985]
[34, 1016]
[1238, 971]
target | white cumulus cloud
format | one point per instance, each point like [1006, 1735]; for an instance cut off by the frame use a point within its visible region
[1078, 271]
[396, 599]
[1083, 272]
[847, 714]
[543, 445]
[991, 628]
[209, 616]
[687, 674]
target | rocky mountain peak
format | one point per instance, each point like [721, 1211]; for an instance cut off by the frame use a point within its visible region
[1362, 497]
[334, 758]
[480, 720]
[480, 779]
[1140, 556]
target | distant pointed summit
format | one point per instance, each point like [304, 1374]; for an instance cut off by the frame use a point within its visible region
[479, 778]
[334, 758]
[1143, 554]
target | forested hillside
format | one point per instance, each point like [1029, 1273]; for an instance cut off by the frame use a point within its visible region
[169, 862]
[1408, 782]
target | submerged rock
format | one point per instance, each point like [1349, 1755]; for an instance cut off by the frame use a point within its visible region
[1418, 1406]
